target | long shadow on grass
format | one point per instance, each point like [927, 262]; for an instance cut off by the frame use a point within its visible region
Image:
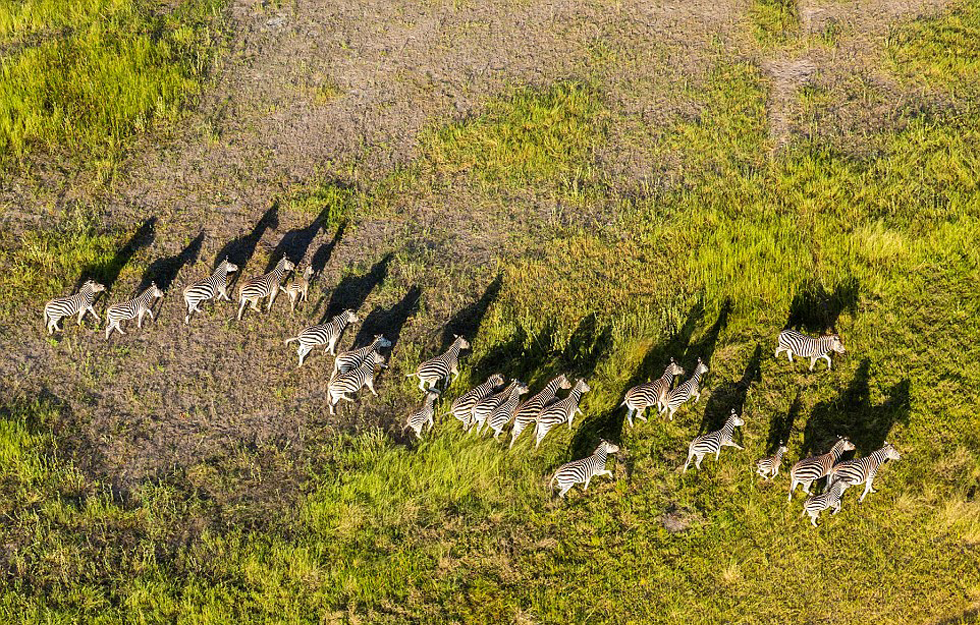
[323, 253]
[731, 394]
[782, 426]
[704, 348]
[816, 310]
[241, 249]
[969, 616]
[295, 243]
[354, 290]
[467, 321]
[164, 271]
[853, 415]
[388, 321]
[107, 273]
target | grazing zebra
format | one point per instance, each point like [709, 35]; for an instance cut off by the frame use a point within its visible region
[502, 414]
[712, 442]
[689, 388]
[442, 366]
[345, 361]
[793, 342]
[809, 470]
[864, 469]
[253, 290]
[462, 408]
[769, 467]
[214, 286]
[642, 396]
[527, 413]
[582, 471]
[133, 309]
[354, 380]
[425, 414]
[483, 408]
[80, 303]
[299, 289]
[559, 412]
[816, 504]
[322, 334]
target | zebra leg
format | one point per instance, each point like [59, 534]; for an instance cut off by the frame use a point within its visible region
[370, 385]
[792, 487]
[564, 489]
[827, 358]
[629, 416]
[331, 347]
[837, 507]
[806, 487]
[241, 308]
[139, 319]
[813, 361]
[789, 354]
[81, 315]
[641, 414]
[255, 305]
[697, 462]
[867, 489]
[108, 330]
[587, 480]
[422, 384]
[813, 518]
[91, 309]
[272, 300]
[302, 352]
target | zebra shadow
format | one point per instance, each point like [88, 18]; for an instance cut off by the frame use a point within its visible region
[816, 310]
[467, 321]
[780, 427]
[353, 291]
[731, 394]
[704, 347]
[323, 253]
[295, 243]
[240, 250]
[658, 356]
[388, 321]
[164, 271]
[107, 272]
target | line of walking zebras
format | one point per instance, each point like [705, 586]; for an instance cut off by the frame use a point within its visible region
[495, 404]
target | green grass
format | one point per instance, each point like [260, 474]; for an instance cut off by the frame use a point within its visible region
[943, 53]
[774, 22]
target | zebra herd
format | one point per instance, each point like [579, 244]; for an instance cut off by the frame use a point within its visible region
[494, 404]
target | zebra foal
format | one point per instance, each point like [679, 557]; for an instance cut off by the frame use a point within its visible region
[712, 442]
[814, 348]
[862, 470]
[642, 396]
[135, 308]
[768, 468]
[582, 471]
[214, 287]
[80, 303]
[322, 334]
[809, 470]
[816, 504]
[442, 366]
[685, 391]
[354, 380]
[425, 414]
[299, 289]
[252, 291]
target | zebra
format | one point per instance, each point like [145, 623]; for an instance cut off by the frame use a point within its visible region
[425, 414]
[80, 303]
[345, 361]
[559, 412]
[864, 469]
[502, 414]
[712, 442]
[814, 348]
[809, 470]
[462, 407]
[527, 413]
[354, 380]
[299, 289]
[442, 366]
[214, 286]
[582, 471]
[322, 334]
[253, 290]
[815, 504]
[768, 468]
[642, 396]
[687, 389]
[133, 309]
[482, 409]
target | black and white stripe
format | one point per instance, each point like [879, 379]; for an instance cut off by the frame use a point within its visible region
[642, 396]
[769, 467]
[582, 471]
[442, 366]
[426, 414]
[809, 470]
[503, 413]
[814, 348]
[816, 504]
[862, 470]
[214, 286]
[712, 442]
[462, 408]
[685, 391]
[345, 361]
[483, 408]
[254, 289]
[135, 308]
[80, 303]
[527, 413]
[298, 289]
[354, 380]
[322, 334]
[561, 411]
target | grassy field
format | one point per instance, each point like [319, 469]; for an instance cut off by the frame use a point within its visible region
[745, 241]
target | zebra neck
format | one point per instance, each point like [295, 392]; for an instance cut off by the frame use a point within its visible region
[600, 456]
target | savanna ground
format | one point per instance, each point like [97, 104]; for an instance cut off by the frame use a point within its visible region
[577, 186]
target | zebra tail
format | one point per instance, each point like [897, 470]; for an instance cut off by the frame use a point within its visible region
[411, 375]
[553, 478]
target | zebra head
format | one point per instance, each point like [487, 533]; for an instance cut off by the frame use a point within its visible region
[286, 264]
[701, 368]
[461, 342]
[520, 387]
[229, 266]
[735, 420]
[609, 447]
[495, 380]
[836, 344]
[582, 387]
[308, 272]
[674, 369]
[157, 293]
[782, 449]
[890, 452]
[564, 382]
[349, 315]
[381, 341]
[92, 286]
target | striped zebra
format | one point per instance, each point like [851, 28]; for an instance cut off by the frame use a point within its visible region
[816, 504]
[80, 303]
[642, 396]
[559, 412]
[442, 366]
[254, 289]
[689, 388]
[484, 408]
[582, 471]
[322, 334]
[503, 413]
[809, 470]
[345, 361]
[462, 407]
[712, 442]
[214, 287]
[769, 467]
[793, 342]
[354, 380]
[425, 414]
[135, 308]
[527, 413]
[298, 290]
[862, 470]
